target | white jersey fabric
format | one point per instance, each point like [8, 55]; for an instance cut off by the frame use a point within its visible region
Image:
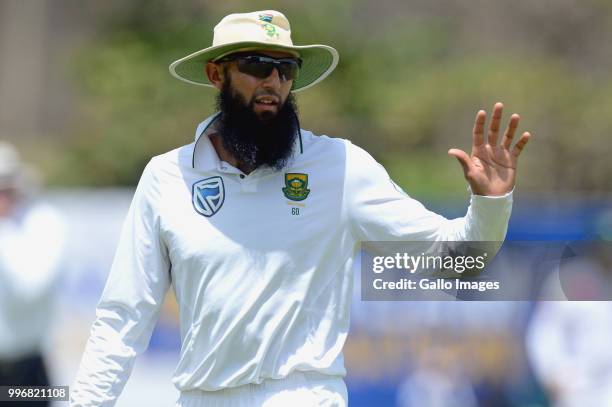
[31, 242]
[264, 283]
[297, 389]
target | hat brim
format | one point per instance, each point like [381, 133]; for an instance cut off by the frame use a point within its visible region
[318, 61]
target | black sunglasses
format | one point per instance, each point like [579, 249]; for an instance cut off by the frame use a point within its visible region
[261, 66]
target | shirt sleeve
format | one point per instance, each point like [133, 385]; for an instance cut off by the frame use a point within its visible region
[379, 210]
[130, 303]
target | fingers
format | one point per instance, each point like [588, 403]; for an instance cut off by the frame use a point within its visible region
[495, 123]
[494, 127]
[509, 135]
[478, 135]
[463, 158]
[518, 147]
[478, 132]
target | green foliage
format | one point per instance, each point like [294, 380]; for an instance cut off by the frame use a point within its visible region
[407, 89]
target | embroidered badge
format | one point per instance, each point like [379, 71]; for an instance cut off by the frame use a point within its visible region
[296, 186]
[270, 30]
[267, 17]
[208, 196]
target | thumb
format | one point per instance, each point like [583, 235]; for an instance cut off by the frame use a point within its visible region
[463, 158]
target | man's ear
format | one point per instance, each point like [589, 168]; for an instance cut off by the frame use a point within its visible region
[215, 73]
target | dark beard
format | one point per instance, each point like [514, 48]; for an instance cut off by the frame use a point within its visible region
[253, 140]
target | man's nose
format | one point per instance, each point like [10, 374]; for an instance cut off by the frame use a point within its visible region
[273, 80]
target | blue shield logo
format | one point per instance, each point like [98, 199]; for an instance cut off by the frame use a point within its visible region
[208, 196]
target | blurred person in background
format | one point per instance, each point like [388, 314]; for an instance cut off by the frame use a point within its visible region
[255, 225]
[569, 343]
[437, 381]
[31, 240]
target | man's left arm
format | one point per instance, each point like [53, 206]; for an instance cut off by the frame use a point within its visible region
[379, 210]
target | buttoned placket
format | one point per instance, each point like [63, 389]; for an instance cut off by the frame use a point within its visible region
[248, 183]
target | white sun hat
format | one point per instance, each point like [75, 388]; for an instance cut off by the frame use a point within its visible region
[259, 30]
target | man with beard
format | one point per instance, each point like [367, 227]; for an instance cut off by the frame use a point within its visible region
[255, 226]
[254, 134]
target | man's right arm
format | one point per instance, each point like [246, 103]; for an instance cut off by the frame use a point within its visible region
[130, 303]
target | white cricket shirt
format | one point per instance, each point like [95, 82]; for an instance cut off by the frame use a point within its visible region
[260, 263]
[31, 243]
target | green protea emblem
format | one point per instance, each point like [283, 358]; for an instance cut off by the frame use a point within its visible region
[270, 29]
[296, 186]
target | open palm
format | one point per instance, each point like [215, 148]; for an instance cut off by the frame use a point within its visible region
[491, 167]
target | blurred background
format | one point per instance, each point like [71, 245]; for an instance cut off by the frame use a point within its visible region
[86, 97]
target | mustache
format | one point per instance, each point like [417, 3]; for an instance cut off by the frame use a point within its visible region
[266, 93]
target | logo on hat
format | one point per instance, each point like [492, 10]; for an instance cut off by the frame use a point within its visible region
[208, 196]
[267, 17]
[296, 187]
[270, 30]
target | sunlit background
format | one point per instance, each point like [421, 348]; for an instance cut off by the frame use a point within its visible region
[86, 96]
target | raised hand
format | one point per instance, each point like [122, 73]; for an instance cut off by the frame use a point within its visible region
[491, 167]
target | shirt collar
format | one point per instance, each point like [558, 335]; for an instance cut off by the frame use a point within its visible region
[205, 156]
